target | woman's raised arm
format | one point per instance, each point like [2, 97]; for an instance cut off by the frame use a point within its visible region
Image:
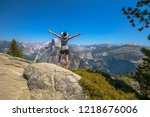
[54, 34]
[74, 36]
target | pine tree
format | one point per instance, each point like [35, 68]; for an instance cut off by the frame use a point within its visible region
[140, 17]
[142, 74]
[14, 50]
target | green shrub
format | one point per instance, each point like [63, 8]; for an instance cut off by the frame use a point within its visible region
[96, 87]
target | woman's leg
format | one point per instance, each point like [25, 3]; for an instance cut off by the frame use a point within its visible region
[59, 59]
[60, 56]
[67, 61]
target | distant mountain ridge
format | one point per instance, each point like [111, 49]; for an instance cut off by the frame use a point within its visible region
[112, 59]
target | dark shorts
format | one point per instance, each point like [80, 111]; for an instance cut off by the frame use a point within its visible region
[66, 52]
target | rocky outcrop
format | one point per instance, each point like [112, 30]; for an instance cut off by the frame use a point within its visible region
[12, 83]
[49, 81]
[22, 79]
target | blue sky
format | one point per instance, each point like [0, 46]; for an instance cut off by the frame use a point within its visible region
[98, 21]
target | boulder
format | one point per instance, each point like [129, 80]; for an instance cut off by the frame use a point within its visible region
[49, 81]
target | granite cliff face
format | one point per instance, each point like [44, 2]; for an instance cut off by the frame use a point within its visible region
[22, 79]
[124, 58]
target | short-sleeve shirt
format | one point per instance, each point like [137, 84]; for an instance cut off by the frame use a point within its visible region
[64, 44]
